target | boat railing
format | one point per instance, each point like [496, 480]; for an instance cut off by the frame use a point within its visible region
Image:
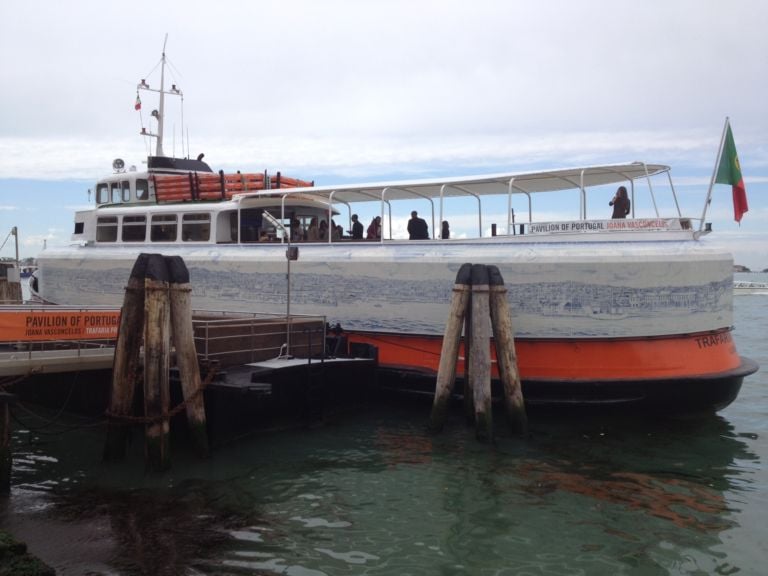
[233, 338]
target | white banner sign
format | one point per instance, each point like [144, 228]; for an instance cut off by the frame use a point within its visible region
[617, 225]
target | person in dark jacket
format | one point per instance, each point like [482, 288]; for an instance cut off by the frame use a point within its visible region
[417, 227]
[357, 228]
[620, 203]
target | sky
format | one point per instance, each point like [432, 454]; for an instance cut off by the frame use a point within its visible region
[368, 90]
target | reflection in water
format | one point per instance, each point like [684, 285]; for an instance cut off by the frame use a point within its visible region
[153, 533]
[685, 503]
[378, 494]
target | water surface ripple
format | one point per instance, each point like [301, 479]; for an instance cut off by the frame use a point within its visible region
[374, 494]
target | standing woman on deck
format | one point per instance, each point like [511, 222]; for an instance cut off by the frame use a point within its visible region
[620, 203]
[374, 229]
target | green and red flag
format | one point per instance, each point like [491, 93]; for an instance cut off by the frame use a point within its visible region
[729, 172]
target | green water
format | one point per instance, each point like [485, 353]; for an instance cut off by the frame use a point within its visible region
[373, 493]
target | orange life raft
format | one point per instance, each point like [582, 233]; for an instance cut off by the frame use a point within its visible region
[197, 186]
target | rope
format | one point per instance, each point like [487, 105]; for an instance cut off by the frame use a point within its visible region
[166, 415]
[52, 421]
[399, 345]
[9, 381]
[44, 429]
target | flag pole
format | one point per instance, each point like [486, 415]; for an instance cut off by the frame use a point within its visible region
[714, 174]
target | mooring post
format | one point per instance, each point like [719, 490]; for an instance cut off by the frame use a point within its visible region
[480, 343]
[186, 353]
[469, 401]
[156, 363]
[6, 452]
[126, 368]
[10, 283]
[446, 373]
[506, 358]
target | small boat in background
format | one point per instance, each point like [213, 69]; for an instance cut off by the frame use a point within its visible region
[742, 287]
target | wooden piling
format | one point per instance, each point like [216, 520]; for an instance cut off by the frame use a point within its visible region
[10, 284]
[503, 334]
[446, 374]
[469, 401]
[156, 363]
[126, 370]
[186, 354]
[480, 359]
[6, 453]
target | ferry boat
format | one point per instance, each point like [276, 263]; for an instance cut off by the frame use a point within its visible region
[634, 311]
[746, 287]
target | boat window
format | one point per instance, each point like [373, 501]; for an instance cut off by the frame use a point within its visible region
[163, 228]
[102, 193]
[106, 229]
[142, 189]
[126, 191]
[134, 228]
[233, 226]
[115, 195]
[250, 224]
[225, 228]
[196, 227]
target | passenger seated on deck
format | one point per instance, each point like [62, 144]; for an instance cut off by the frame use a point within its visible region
[445, 232]
[374, 229]
[620, 203]
[323, 231]
[336, 231]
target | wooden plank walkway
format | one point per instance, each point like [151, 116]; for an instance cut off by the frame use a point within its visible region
[28, 362]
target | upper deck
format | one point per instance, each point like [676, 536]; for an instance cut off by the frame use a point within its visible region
[229, 209]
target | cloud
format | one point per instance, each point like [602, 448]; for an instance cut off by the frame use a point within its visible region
[343, 90]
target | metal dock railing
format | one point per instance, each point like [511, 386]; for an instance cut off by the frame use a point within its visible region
[49, 339]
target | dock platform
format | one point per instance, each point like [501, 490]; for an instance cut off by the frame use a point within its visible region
[38, 339]
[21, 362]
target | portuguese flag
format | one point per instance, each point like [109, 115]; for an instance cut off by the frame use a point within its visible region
[729, 172]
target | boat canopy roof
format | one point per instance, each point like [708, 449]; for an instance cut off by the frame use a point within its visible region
[491, 184]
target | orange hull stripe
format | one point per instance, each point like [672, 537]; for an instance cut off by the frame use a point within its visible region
[650, 358]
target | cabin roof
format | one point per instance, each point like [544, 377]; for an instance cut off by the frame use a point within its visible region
[514, 182]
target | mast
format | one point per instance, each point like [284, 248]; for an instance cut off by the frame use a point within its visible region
[714, 175]
[159, 114]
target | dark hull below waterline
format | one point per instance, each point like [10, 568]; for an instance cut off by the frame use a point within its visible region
[695, 394]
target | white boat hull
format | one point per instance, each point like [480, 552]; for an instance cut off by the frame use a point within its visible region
[555, 290]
